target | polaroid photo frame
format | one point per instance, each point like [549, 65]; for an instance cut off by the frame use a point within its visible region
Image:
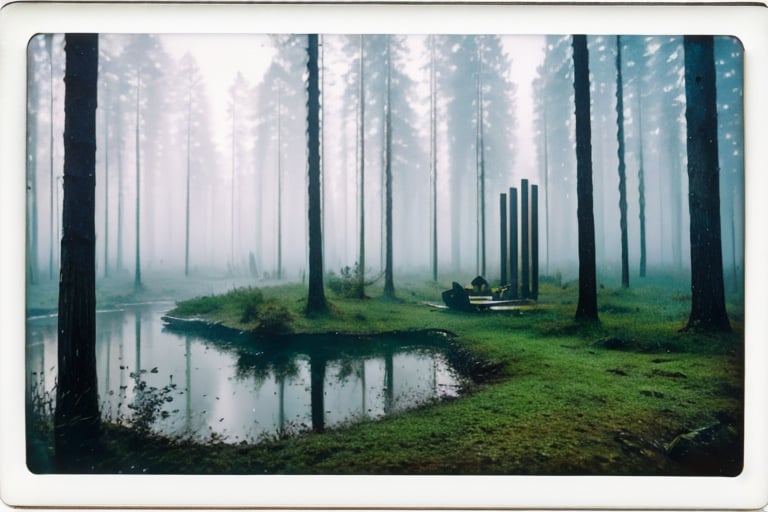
[21, 22]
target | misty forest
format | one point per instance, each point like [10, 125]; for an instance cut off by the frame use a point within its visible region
[438, 254]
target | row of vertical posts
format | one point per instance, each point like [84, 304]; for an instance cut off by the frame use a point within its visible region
[520, 239]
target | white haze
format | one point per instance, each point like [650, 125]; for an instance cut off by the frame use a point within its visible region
[268, 64]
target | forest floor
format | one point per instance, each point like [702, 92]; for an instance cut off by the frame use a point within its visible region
[564, 399]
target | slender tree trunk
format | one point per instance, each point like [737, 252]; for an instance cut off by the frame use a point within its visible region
[732, 216]
[707, 287]
[316, 302]
[389, 283]
[534, 241]
[76, 424]
[433, 151]
[622, 169]
[525, 239]
[49, 48]
[513, 242]
[106, 184]
[137, 273]
[119, 261]
[456, 222]
[546, 188]
[189, 173]
[137, 343]
[32, 232]
[641, 184]
[480, 170]
[676, 193]
[321, 80]
[503, 237]
[188, 385]
[232, 188]
[361, 171]
[587, 306]
[280, 186]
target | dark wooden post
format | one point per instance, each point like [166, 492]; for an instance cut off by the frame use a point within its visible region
[524, 239]
[534, 241]
[503, 218]
[513, 276]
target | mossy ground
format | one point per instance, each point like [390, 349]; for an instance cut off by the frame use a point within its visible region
[568, 398]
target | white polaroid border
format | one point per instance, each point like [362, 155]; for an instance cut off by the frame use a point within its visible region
[18, 487]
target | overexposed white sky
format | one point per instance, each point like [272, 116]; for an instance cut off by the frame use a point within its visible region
[222, 56]
[527, 53]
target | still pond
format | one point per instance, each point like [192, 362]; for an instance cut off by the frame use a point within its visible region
[193, 386]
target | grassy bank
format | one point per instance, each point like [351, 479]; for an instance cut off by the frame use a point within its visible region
[566, 399]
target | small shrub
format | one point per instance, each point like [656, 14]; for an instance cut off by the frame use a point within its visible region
[274, 318]
[346, 284]
[148, 403]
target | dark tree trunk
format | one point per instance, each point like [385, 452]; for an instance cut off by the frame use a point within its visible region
[524, 240]
[389, 283]
[361, 164]
[586, 309]
[433, 151]
[534, 241]
[503, 239]
[707, 288]
[513, 244]
[77, 411]
[316, 302]
[641, 184]
[622, 169]
[546, 190]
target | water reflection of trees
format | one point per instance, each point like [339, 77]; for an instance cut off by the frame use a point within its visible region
[341, 361]
[259, 366]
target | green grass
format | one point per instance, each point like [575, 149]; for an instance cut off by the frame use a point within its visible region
[568, 398]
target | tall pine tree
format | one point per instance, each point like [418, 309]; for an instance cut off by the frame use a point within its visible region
[587, 305]
[316, 302]
[76, 423]
[707, 288]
